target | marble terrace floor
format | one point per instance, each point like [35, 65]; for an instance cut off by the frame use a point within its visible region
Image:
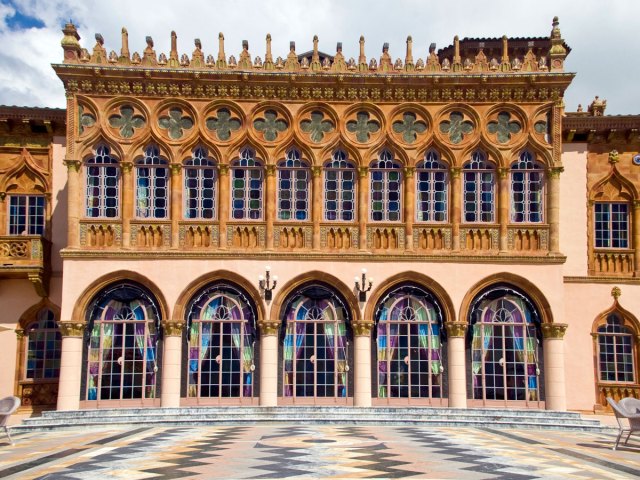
[282, 451]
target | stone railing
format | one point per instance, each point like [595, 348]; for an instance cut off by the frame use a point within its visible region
[341, 237]
[97, 234]
[389, 238]
[291, 236]
[198, 235]
[246, 235]
[613, 262]
[616, 391]
[479, 238]
[528, 239]
[150, 234]
[432, 237]
[22, 250]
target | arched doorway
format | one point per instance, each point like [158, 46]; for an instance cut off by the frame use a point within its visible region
[409, 355]
[505, 344]
[123, 322]
[221, 346]
[316, 347]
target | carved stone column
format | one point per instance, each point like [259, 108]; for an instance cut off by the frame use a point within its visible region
[554, 209]
[269, 363]
[176, 203]
[223, 204]
[363, 207]
[409, 205]
[456, 364]
[554, 379]
[70, 365]
[456, 208]
[503, 208]
[270, 194]
[3, 214]
[126, 209]
[636, 238]
[362, 364]
[74, 202]
[316, 210]
[171, 363]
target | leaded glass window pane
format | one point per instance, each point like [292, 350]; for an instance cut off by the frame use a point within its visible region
[339, 188]
[246, 187]
[200, 186]
[102, 185]
[293, 188]
[152, 185]
[616, 351]
[43, 347]
[385, 189]
[527, 190]
[26, 214]
[611, 225]
[479, 189]
[432, 189]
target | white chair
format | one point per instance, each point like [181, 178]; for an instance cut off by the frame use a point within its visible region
[626, 410]
[8, 406]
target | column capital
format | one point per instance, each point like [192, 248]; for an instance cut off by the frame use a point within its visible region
[503, 172]
[19, 333]
[554, 172]
[71, 329]
[172, 329]
[362, 329]
[636, 204]
[3, 195]
[223, 169]
[270, 170]
[455, 172]
[316, 171]
[72, 165]
[409, 171]
[553, 330]
[363, 171]
[456, 329]
[269, 328]
[126, 167]
[176, 168]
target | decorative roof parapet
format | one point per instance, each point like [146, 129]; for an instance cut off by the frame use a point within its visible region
[528, 55]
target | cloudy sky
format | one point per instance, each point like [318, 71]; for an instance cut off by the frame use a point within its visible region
[603, 34]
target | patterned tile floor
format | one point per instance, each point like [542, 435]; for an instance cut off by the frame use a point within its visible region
[282, 451]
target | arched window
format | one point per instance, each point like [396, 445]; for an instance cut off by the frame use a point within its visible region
[386, 189]
[339, 188]
[200, 185]
[527, 190]
[616, 351]
[102, 184]
[479, 189]
[316, 345]
[293, 187]
[122, 364]
[432, 189]
[43, 347]
[505, 347]
[409, 344]
[222, 337]
[152, 185]
[246, 187]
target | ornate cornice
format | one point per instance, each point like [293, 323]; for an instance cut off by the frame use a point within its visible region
[269, 328]
[71, 329]
[553, 330]
[363, 329]
[172, 329]
[456, 329]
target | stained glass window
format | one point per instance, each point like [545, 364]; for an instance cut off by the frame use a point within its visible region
[246, 177]
[611, 225]
[315, 345]
[409, 346]
[152, 185]
[122, 355]
[616, 351]
[102, 184]
[527, 190]
[339, 188]
[222, 338]
[293, 187]
[386, 189]
[505, 347]
[432, 189]
[200, 185]
[479, 189]
[43, 347]
[26, 214]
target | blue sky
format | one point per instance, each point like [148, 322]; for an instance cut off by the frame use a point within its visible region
[603, 35]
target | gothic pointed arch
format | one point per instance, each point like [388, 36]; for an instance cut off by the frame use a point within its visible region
[307, 154]
[26, 176]
[493, 154]
[341, 143]
[138, 148]
[446, 154]
[613, 187]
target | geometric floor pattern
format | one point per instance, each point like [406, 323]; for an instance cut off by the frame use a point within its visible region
[282, 451]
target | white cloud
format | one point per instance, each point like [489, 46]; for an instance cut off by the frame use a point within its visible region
[601, 35]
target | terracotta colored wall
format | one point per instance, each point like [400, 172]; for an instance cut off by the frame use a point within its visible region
[573, 209]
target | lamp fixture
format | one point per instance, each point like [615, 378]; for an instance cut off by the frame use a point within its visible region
[266, 284]
[361, 285]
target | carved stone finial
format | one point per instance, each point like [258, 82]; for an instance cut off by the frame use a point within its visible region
[408, 59]
[173, 54]
[315, 56]
[614, 157]
[197, 57]
[70, 43]
[505, 65]
[580, 109]
[244, 61]
[149, 54]
[558, 52]
[616, 293]
[292, 63]
[597, 107]
[362, 58]
[386, 62]
[339, 64]
[99, 52]
[124, 57]
[222, 59]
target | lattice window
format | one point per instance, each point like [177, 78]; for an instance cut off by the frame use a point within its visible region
[616, 351]
[432, 189]
[386, 189]
[479, 189]
[527, 190]
[26, 214]
[293, 187]
[43, 347]
[102, 185]
[200, 185]
[611, 225]
[339, 188]
[246, 174]
[152, 185]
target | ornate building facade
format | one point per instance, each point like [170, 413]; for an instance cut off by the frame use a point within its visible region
[319, 230]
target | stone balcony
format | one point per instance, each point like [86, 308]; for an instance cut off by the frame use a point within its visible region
[26, 257]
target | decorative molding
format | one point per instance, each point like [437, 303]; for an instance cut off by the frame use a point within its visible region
[71, 329]
[362, 329]
[603, 280]
[172, 329]
[456, 329]
[269, 328]
[553, 330]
